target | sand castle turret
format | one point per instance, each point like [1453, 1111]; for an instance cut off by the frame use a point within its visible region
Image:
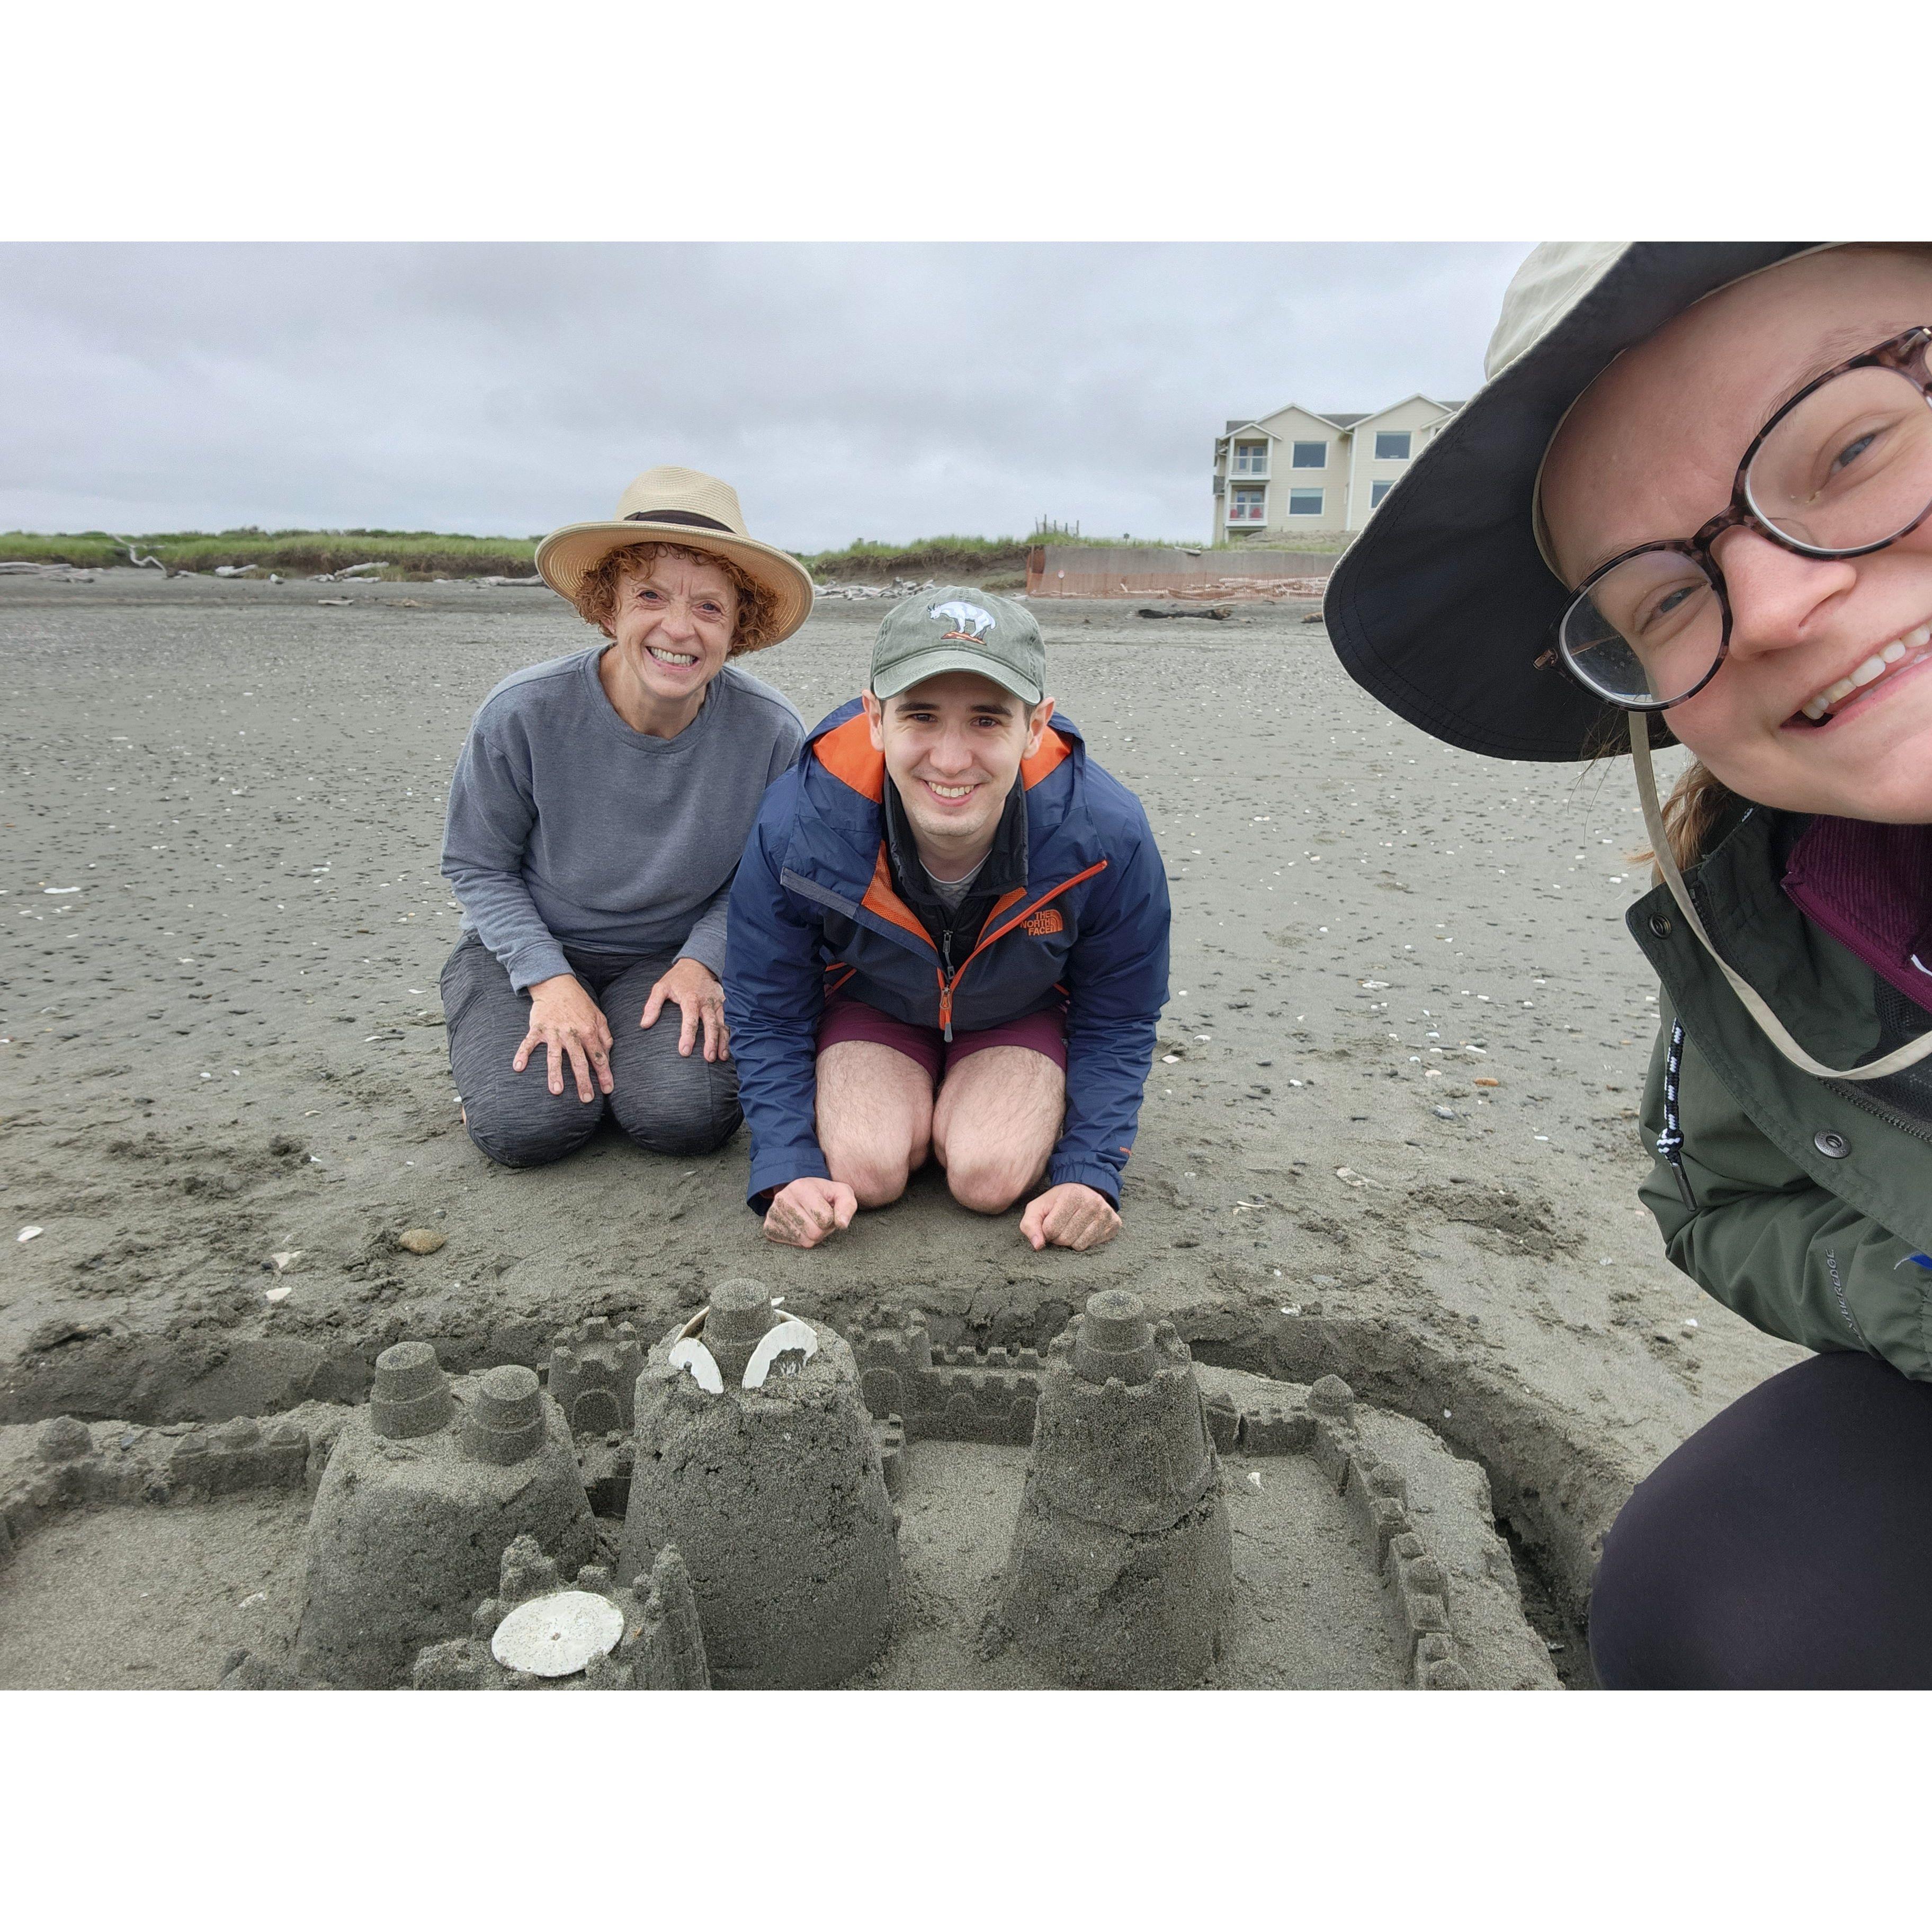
[593, 1370]
[424, 1490]
[1122, 1558]
[754, 1456]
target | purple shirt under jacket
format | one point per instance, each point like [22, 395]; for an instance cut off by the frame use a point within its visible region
[1869, 886]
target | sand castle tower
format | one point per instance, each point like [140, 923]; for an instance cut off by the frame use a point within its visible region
[1122, 1558]
[593, 1371]
[754, 1456]
[424, 1490]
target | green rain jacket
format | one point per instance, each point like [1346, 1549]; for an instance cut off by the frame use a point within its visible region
[1804, 1204]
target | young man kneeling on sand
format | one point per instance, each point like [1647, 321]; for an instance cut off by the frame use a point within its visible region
[948, 935]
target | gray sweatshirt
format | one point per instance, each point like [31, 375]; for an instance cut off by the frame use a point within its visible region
[567, 828]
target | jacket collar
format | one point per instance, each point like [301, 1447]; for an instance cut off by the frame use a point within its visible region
[1821, 990]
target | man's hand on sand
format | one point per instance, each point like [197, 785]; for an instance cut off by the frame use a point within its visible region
[570, 1024]
[701, 999]
[804, 1212]
[1069, 1215]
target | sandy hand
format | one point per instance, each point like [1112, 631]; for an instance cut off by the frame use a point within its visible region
[566, 1021]
[698, 996]
[804, 1212]
[1070, 1216]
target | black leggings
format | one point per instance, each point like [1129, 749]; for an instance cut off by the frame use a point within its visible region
[1787, 1545]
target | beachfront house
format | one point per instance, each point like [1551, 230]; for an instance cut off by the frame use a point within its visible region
[1298, 472]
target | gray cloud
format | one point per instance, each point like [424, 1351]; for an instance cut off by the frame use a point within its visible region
[879, 390]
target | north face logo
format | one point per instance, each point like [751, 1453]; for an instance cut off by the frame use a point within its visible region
[1047, 919]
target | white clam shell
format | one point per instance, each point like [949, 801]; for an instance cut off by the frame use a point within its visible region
[789, 1334]
[691, 1354]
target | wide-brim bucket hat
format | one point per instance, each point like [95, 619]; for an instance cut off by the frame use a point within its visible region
[1441, 608]
[686, 507]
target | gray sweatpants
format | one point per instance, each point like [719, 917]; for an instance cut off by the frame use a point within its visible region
[664, 1102]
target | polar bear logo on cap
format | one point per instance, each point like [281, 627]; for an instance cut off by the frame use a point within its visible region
[970, 623]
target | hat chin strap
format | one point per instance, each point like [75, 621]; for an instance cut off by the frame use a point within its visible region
[1768, 1023]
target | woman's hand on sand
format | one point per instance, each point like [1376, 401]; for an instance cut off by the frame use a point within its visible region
[694, 989]
[1070, 1216]
[569, 1023]
[804, 1212]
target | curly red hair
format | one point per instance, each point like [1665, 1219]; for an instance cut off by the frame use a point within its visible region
[596, 599]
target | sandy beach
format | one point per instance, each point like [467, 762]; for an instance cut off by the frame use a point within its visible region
[222, 926]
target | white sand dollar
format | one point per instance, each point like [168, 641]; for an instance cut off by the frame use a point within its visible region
[557, 1635]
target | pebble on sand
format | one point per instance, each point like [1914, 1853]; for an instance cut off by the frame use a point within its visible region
[28, 1233]
[420, 1240]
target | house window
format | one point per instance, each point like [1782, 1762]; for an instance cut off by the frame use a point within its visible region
[1304, 502]
[1377, 491]
[1247, 504]
[1391, 445]
[1310, 456]
[1251, 459]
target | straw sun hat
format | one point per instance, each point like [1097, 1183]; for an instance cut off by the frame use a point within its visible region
[685, 507]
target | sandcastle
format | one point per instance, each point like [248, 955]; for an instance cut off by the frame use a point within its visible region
[426, 1488]
[1122, 1558]
[1102, 1511]
[593, 1375]
[771, 1487]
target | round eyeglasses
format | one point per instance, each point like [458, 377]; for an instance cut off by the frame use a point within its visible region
[1843, 469]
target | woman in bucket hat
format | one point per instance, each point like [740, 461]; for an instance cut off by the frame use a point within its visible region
[596, 818]
[1694, 503]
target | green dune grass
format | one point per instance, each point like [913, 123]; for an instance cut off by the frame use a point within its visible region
[409, 553]
[996, 562]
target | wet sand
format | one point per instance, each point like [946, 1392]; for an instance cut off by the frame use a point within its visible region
[227, 1043]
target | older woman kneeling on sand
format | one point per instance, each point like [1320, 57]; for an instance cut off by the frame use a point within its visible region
[595, 819]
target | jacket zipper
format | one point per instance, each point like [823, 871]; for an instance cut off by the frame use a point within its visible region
[947, 983]
[1904, 1125]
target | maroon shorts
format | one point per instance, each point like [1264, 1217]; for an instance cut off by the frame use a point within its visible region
[847, 1019]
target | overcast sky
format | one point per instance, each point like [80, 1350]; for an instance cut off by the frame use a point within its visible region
[886, 391]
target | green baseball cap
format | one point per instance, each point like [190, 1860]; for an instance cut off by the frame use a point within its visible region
[959, 629]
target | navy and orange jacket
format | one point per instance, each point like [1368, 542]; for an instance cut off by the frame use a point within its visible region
[814, 910]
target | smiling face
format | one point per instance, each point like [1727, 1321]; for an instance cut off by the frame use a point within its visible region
[953, 745]
[673, 624]
[1824, 704]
